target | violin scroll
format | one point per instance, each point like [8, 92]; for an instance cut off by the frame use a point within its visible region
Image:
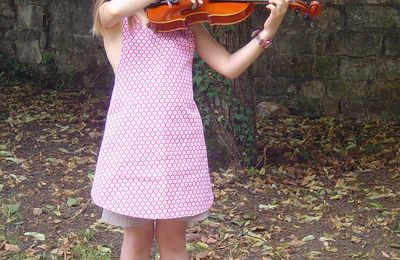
[309, 10]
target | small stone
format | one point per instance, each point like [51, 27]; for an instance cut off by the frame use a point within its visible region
[271, 110]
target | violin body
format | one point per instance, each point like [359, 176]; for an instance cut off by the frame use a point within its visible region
[181, 15]
[166, 18]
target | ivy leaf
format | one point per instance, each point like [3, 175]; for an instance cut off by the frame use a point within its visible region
[197, 79]
[241, 117]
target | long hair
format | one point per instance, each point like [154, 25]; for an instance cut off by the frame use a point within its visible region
[97, 28]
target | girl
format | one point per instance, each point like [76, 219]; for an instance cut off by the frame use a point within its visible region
[152, 173]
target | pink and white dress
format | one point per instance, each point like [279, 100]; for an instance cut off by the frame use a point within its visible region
[153, 162]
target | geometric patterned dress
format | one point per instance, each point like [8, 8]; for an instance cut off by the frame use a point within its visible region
[152, 162]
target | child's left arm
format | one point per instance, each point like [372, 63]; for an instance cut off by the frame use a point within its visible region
[232, 65]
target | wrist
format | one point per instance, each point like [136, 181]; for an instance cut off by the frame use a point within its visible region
[262, 37]
[264, 34]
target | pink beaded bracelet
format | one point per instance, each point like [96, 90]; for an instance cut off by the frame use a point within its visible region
[263, 43]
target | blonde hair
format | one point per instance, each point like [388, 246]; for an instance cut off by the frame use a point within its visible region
[97, 28]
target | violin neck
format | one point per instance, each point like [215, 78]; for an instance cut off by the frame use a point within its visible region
[244, 1]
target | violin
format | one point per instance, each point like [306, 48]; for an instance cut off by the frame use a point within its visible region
[180, 14]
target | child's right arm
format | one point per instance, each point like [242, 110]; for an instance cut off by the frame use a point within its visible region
[111, 12]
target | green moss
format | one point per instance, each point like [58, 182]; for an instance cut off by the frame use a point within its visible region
[326, 66]
[337, 89]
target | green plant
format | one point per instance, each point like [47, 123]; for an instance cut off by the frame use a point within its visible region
[208, 84]
[47, 58]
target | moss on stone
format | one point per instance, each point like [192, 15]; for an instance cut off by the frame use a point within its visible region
[337, 89]
[326, 66]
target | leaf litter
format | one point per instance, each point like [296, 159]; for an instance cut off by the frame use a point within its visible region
[323, 188]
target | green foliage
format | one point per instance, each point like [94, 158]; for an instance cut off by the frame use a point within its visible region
[206, 85]
[209, 84]
[47, 59]
[46, 74]
[85, 249]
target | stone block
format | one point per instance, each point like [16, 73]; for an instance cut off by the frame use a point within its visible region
[323, 44]
[30, 16]
[311, 108]
[6, 47]
[291, 42]
[387, 90]
[388, 69]
[23, 35]
[259, 86]
[368, 109]
[29, 51]
[63, 61]
[394, 87]
[326, 66]
[337, 89]
[351, 108]
[6, 10]
[267, 110]
[313, 90]
[83, 25]
[340, 89]
[356, 43]
[372, 16]
[334, 20]
[356, 69]
[64, 25]
[392, 42]
[291, 66]
[60, 25]
[262, 66]
[275, 86]
[331, 107]
[6, 22]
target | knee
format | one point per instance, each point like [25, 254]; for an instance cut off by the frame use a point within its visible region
[171, 244]
[139, 237]
[171, 239]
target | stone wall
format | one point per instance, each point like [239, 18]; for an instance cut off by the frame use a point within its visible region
[347, 64]
[36, 31]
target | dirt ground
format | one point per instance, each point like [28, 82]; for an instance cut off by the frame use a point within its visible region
[323, 188]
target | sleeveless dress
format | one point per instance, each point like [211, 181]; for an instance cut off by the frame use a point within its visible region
[152, 162]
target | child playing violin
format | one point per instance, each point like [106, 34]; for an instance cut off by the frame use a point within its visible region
[152, 175]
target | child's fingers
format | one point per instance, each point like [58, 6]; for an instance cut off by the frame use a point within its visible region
[197, 2]
[271, 7]
[281, 5]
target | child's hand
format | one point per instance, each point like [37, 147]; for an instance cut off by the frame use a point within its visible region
[196, 2]
[278, 10]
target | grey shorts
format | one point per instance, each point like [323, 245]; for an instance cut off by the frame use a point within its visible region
[116, 219]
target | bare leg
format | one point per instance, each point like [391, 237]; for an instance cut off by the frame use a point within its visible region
[137, 242]
[171, 239]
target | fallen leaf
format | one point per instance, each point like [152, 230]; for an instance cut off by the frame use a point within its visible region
[36, 235]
